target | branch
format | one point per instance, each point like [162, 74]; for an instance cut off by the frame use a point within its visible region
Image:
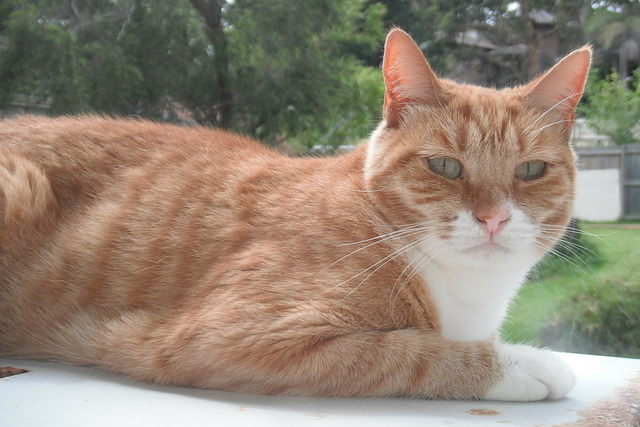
[128, 22]
[211, 11]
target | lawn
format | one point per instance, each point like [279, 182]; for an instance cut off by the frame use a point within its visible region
[587, 301]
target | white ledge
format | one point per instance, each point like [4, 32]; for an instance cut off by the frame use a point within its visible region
[52, 394]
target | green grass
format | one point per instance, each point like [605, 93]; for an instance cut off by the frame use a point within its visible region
[587, 302]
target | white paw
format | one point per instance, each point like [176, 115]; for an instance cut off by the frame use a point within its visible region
[530, 374]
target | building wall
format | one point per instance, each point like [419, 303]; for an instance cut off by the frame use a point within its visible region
[598, 195]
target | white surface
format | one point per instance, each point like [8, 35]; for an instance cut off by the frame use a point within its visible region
[598, 195]
[59, 395]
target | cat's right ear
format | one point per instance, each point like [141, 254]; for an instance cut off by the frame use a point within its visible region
[408, 78]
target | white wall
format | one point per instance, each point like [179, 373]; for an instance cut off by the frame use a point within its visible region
[598, 195]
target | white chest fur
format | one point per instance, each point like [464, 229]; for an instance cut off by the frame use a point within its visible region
[472, 300]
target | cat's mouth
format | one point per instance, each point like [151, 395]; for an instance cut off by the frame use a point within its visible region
[488, 248]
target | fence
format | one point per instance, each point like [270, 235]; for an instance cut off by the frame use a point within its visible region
[626, 158]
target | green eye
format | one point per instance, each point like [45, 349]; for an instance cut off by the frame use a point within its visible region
[448, 168]
[530, 170]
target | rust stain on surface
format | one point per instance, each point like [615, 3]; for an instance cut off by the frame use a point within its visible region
[622, 408]
[7, 371]
[316, 415]
[483, 411]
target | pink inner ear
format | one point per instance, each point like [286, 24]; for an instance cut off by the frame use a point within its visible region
[559, 90]
[407, 76]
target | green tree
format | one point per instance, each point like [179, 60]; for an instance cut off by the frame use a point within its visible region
[611, 108]
[277, 69]
[120, 57]
[219, 108]
[437, 26]
[616, 26]
[296, 68]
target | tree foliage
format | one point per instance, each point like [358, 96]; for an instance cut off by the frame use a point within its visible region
[271, 69]
[612, 109]
[109, 57]
[618, 29]
[304, 72]
[308, 76]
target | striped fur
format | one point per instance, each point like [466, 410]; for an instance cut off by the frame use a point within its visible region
[198, 257]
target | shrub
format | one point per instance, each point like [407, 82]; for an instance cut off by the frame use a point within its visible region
[599, 310]
[598, 318]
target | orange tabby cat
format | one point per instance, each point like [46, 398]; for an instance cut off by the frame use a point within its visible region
[201, 258]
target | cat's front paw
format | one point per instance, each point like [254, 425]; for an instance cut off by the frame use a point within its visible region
[530, 374]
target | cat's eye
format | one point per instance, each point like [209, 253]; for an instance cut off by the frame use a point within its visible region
[445, 167]
[530, 170]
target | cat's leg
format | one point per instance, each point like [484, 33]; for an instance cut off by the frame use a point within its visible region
[303, 355]
[420, 364]
[408, 362]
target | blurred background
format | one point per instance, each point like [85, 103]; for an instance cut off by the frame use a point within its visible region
[304, 77]
[304, 72]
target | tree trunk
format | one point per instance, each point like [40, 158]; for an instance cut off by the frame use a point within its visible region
[531, 41]
[211, 12]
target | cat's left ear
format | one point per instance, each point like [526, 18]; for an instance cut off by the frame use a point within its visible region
[558, 91]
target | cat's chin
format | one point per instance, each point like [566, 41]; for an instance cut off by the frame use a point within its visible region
[488, 255]
[488, 250]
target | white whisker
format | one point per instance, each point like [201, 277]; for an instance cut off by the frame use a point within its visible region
[550, 109]
[407, 232]
[550, 124]
[407, 228]
[384, 261]
[425, 258]
[363, 191]
[566, 259]
[411, 262]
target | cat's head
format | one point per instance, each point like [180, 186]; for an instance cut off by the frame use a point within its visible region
[484, 172]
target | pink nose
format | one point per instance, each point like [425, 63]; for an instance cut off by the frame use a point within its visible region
[494, 219]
